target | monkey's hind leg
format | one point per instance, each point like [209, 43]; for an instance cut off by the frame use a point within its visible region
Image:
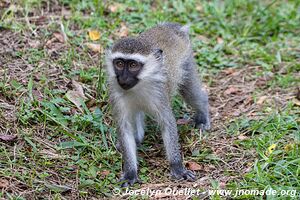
[196, 96]
[139, 127]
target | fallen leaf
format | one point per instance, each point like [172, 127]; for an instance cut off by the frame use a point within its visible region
[229, 71]
[50, 154]
[58, 188]
[261, 100]
[92, 109]
[271, 148]
[114, 7]
[39, 21]
[104, 173]
[94, 35]
[252, 113]
[4, 4]
[65, 12]
[78, 87]
[199, 8]
[59, 36]
[222, 185]
[91, 103]
[202, 38]
[296, 102]
[182, 121]
[262, 81]
[204, 178]
[242, 137]
[248, 100]
[289, 147]
[231, 90]
[76, 96]
[49, 42]
[3, 183]
[123, 30]
[161, 195]
[248, 169]
[220, 40]
[94, 47]
[34, 44]
[8, 138]
[193, 166]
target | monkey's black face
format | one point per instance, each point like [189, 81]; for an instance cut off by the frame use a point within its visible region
[126, 71]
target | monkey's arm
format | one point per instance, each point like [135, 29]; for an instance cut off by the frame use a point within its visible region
[127, 145]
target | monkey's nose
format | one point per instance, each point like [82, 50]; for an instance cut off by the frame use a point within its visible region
[122, 81]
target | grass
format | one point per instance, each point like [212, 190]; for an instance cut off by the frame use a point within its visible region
[248, 48]
[276, 168]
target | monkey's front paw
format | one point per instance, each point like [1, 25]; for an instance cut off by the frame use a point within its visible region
[203, 127]
[128, 180]
[183, 174]
[202, 123]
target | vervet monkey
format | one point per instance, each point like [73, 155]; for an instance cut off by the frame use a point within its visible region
[144, 73]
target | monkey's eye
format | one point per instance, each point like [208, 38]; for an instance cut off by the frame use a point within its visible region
[119, 64]
[134, 66]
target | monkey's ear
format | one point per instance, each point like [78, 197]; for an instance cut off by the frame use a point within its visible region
[158, 54]
[185, 29]
[107, 51]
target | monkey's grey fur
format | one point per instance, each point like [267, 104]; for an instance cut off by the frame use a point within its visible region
[169, 66]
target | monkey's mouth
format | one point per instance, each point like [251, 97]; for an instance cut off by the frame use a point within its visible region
[128, 84]
[125, 86]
